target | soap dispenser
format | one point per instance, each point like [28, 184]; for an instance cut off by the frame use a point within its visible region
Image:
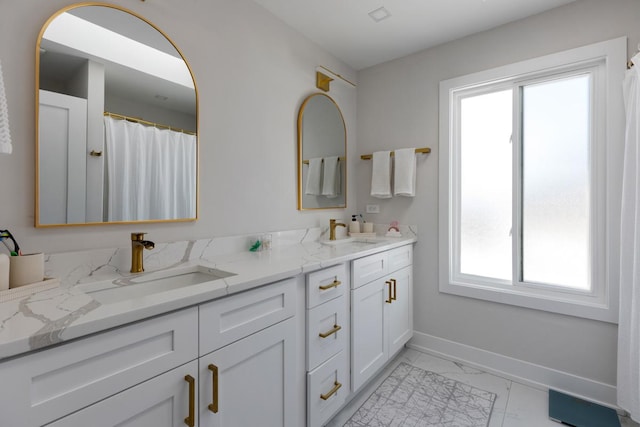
[354, 226]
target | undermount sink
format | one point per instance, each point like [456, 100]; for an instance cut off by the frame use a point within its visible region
[349, 240]
[152, 283]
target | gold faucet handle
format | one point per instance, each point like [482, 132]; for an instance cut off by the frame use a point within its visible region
[137, 236]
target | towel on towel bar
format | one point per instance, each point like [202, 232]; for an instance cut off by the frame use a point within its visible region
[331, 177]
[404, 172]
[314, 177]
[381, 175]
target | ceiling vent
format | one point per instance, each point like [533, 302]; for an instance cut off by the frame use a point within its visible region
[379, 14]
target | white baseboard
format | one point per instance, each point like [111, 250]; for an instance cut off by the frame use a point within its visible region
[517, 370]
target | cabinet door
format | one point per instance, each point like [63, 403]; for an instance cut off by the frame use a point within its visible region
[251, 382]
[400, 311]
[369, 349]
[50, 384]
[163, 401]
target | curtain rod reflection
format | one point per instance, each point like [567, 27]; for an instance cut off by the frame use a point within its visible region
[306, 162]
[145, 122]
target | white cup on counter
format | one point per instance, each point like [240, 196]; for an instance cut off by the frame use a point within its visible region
[26, 269]
[4, 272]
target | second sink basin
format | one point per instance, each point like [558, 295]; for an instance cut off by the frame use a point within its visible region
[349, 240]
[153, 283]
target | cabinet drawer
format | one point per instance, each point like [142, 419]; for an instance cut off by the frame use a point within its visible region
[322, 321]
[372, 267]
[52, 383]
[400, 257]
[322, 404]
[229, 319]
[326, 284]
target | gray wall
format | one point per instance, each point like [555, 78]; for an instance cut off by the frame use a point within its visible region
[252, 73]
[398, 107]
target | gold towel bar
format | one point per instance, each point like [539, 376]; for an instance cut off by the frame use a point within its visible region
[423, 150]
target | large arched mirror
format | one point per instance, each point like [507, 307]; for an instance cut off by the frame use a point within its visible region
[116, 119]
[322, 154]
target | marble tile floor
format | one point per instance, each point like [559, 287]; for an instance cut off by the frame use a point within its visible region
[516, 405]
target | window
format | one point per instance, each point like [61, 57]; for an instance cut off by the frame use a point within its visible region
[530, 157]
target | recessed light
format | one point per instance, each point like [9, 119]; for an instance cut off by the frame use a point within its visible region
[379, 14]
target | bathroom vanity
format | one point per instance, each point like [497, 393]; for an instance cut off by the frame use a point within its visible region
[285, 341]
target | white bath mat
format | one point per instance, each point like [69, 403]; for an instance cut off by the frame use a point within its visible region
[411, 396]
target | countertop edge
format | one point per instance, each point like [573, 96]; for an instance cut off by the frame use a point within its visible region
[97, 320]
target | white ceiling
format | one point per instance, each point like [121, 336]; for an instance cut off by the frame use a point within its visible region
[345, 29]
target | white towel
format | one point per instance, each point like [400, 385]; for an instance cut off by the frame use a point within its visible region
[381, 175]
[331, 177]
[404, 172]
[314, 177]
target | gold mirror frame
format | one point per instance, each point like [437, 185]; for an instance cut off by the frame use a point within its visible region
[38, 224]
[302, 161]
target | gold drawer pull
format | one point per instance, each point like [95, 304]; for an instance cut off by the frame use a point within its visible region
[390, 299]
[394, 290]
[335, 329]
[191, 419]
[335, 283]
[213, 407]
[336, 387]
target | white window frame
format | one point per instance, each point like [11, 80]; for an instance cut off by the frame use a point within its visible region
[606, 61]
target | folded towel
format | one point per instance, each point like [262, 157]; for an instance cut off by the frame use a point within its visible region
[331, 177]
[5, 147]
[381, 175]
[314, 177]
[404, 172]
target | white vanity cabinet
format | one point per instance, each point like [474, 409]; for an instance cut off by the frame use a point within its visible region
[327, 342]
[238, 353]
[381, 310]
[247, 369]
[89, 375]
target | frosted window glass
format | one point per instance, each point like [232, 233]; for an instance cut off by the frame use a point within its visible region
[485, 185]
[555, 233]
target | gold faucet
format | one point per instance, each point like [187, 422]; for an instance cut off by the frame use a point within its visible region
[332, 228]
[138, 244]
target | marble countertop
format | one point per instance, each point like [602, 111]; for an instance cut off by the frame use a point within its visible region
[67, 312]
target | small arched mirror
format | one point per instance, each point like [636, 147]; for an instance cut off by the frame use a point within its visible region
[117, 118]
[322, 154]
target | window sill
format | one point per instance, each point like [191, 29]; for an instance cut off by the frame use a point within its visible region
[594, 310]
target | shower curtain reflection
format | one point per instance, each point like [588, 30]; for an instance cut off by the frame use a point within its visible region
[150, 172]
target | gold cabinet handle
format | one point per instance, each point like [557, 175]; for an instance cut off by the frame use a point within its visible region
[335, 283]
[335, 329]
[213, 406]
[390, 300]
[394, 290]
[191, 419]
[336, 387]
[95, 153]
